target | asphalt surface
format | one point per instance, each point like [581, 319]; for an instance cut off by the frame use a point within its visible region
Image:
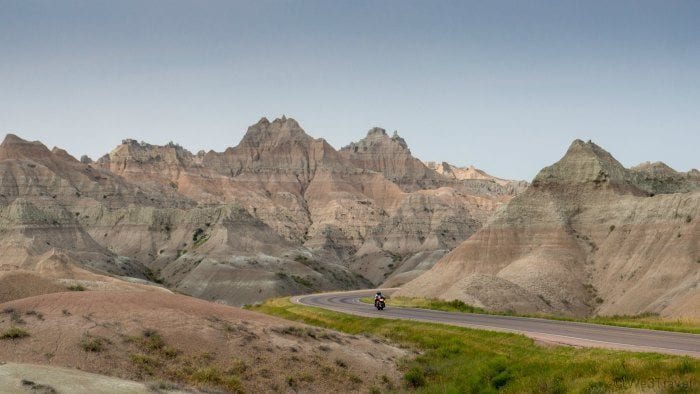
[550, 331]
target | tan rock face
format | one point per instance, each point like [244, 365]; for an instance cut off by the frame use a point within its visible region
[390, 156]
[453, 172]
[587, 237]
[280, 213]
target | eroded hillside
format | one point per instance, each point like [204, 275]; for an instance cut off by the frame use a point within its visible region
[587, 237]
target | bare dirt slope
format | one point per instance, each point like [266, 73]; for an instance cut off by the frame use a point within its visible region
[587, 237]
[191, 343]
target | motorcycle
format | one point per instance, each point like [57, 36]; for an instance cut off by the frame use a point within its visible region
[379, 303]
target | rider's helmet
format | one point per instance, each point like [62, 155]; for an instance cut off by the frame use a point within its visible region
[379, 293]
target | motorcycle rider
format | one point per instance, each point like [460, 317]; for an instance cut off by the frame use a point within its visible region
[377, 297]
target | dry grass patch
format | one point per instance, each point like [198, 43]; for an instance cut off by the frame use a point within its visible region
[94, 344]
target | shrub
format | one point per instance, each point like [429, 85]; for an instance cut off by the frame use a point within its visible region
[38, 388]
[415, 377]
[355, 379]
[36, 314]
[77, 287]
[685, 366]
[340, 363]
[302, 281]
[93, 344]
[153, 276]
[619, 372]
[199, 237]
[153, 340]
[498, 373]
[14, 333]
[144, 362]
[291, 330]
[301, 259]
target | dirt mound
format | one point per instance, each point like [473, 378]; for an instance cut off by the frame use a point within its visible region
[186, 342]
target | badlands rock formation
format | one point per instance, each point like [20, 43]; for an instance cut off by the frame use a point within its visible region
[450, 171]
[390, 156]
[281, 213]
[587, 237]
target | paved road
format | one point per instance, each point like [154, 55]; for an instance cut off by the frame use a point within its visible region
[551, 331]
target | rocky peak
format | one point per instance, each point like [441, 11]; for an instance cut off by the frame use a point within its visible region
[14, 147]
[584, 162]
[62, 154]
[472, 173]
[376, 132]
[659, 178]
[133, 154]
[277, 132]
[657, 167]
[390, 156]
[11, 139]
[378, 137]
[277, 147]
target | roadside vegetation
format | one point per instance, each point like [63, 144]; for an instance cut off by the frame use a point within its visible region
[648, 321]
[457, 359]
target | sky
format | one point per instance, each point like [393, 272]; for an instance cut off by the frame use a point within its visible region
[503, 85]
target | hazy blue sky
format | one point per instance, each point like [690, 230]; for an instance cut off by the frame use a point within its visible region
[504, 85]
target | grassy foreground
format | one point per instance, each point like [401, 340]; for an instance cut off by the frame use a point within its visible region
[461, 360]
[648, 321]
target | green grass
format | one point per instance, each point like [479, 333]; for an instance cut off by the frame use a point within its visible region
[648, 321]
[460, 360]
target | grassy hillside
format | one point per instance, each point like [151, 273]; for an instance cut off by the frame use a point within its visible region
[648, 321]
[456, 359]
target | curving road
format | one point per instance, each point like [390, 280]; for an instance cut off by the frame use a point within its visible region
[551, 331]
